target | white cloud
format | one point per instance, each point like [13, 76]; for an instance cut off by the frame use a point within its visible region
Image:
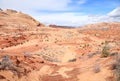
[77, 19]
[115, 12]
[66, 18]
[62, 18]
[70, 19]
[82, 1]
[35, 4]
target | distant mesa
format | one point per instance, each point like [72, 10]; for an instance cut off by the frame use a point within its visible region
[58, 26]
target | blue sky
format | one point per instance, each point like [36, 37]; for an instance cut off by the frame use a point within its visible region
[67, 12]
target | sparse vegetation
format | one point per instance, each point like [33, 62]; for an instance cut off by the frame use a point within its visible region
[6, 64]
[50, 59]
[91, 55]
[105, 50]
[96, 69]
[113, 53]
[72, 60]
[117, 68]
[86, 45]
[43, 53]
[113, 66]
[27, 54]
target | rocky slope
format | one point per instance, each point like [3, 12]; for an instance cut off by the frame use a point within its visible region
[29, 51]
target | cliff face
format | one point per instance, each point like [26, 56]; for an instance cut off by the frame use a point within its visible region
[29, 51]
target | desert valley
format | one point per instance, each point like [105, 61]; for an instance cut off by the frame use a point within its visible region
[32, 51]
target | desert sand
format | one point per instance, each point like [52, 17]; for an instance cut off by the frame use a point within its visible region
[36, 52]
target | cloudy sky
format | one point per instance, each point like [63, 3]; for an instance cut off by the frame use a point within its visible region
[67, 12]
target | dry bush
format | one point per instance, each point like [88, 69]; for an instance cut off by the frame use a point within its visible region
[113, 66]
[113, 53]
[27, 54]
[50, 59]
[7, 64]
[72, 60]
[117, 69]
[91, 55]
[105, 50]
[96, 69]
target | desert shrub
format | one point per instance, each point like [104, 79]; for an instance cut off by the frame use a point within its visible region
[96, 69]
[50, 59]
[102, 43]
[91, 55]
[72, 60]
[86, 45]
[27, 54]
[117, 69]
[6, 64]
[113, 66]
[113, 53]
[105, 50]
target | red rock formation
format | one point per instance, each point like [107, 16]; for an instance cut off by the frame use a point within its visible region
[55, 54]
